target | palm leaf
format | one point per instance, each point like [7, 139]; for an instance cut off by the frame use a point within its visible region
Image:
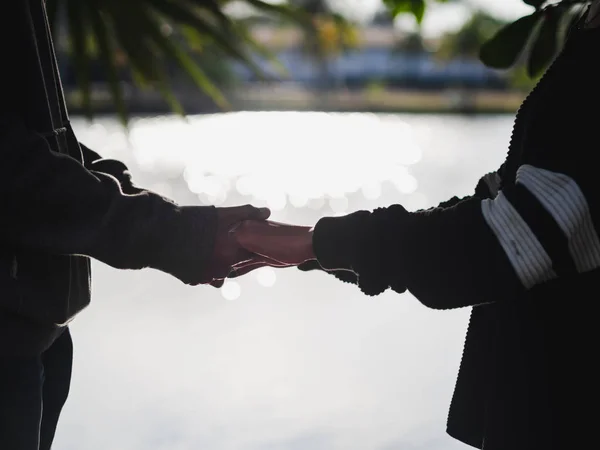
[152, 29]
[134, 27]
[183, 14]
[545, 45]
[262, 51]
[285, 12]
[106, 51]
[215, 8]
[77, 16]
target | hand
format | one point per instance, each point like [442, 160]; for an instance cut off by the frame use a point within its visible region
[347, 276]
[228, 256]
[288, 245]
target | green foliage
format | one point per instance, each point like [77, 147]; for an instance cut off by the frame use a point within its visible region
[468, 40]
[535, 38]
[414, 7]
[545, 45]
[503, 50]
[519, 79]
[147, 33]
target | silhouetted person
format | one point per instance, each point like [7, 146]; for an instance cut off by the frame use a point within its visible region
[523, 251]
[60, 204]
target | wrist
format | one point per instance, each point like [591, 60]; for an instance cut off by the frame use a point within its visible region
[336, 240]
[310, 250]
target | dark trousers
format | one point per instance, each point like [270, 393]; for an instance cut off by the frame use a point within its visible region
[33, 391]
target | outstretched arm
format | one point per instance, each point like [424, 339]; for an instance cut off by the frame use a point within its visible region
[52, 203]
[474, 252]
[487, 187]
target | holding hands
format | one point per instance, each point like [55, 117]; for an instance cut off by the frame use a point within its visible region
[290, 245]
[229, 257]
[246, 240]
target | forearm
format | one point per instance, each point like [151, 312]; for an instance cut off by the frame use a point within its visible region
[451, 258]
[94, 162]
[51, 203]
[487, 187]
[446, 257]
[384, 262]
[477, 251]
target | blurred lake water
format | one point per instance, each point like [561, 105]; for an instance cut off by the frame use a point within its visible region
[277, 359]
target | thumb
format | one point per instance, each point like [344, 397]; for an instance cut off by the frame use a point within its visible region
[237, 214]
[217, 283]
[260, 213]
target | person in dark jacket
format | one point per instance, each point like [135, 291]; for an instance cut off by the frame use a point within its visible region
[523, 252]
[60, 204]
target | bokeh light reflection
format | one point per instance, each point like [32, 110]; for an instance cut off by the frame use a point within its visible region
[302, 156]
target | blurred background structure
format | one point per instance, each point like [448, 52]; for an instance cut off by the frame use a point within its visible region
[362, 103]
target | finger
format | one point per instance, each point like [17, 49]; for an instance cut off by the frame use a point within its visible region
[219, 270]
[239, 271]
[285, 243]
[262, 259]
[217, 283]
[242, 256]
[255, 263]
[261, 213]
[237, 214]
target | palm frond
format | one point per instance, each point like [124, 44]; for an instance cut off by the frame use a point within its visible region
[77, 17]
[106, 50]
[101, 29]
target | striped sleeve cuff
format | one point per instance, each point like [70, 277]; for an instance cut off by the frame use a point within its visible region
[544, 226]
[525, 252]
[563, 199]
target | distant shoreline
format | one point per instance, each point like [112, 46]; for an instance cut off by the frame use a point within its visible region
[451, 101]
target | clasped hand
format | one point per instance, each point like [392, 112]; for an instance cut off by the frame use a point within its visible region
[246, 241]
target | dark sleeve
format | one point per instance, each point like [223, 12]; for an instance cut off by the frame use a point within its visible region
[483, 250]
[94, 162]
[487, 187]
[50, 202]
